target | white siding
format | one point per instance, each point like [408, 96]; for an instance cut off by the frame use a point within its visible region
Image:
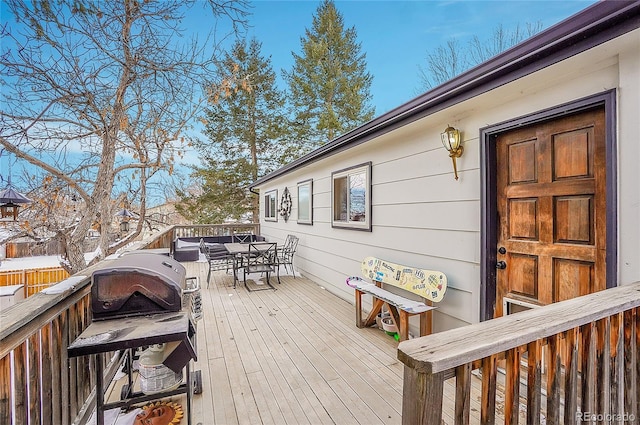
[422, 217]
[629, 165]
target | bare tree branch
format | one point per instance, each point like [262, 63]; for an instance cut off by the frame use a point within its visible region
[93, 91]
[453, 58]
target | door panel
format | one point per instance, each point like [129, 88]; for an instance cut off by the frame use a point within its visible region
[551, 195]
[523, 218]
[574, 219]
[523, 275]
[566, 273]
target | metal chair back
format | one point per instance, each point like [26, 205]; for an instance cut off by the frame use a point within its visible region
[242, 238]
[285, 256]
[262, 258]
[261, 254]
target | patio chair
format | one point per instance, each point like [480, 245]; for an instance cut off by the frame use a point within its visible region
[286, 253]
[287, 242]
[218, 260]
[262, 258]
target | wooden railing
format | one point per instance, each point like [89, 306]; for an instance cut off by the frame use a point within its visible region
[589, 372]
[39, 383]
[37, 379]
[202, 230]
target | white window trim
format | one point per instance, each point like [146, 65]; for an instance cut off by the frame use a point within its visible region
[309, 184]
[273, 216]
[347, 224]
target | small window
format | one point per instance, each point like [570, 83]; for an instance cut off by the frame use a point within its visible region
[270, 206]
[305, 202]
[351, 197]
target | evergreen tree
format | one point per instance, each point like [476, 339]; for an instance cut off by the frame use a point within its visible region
[329, 85]
[245, 125]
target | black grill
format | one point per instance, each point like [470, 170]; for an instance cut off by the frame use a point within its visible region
[136, 285]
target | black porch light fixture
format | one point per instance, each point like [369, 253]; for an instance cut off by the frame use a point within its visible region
[451, 142]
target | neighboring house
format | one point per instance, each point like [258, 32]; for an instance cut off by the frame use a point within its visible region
[549, 179]
[164, 215]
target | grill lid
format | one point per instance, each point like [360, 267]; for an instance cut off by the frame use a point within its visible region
[137, 285]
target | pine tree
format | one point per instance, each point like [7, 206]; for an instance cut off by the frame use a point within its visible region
[329, 85]
[245, 125]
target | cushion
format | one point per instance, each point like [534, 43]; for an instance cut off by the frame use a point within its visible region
[188, 253]
[215, 247]
[183, 244]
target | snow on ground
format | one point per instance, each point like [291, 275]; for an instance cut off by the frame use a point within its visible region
[37, 262]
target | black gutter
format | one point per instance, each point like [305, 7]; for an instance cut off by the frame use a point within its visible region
[597, 24]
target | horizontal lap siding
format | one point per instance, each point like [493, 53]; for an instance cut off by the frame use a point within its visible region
[629, 172]
[422, 217]
[421, 232]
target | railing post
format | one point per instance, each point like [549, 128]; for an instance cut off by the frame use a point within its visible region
[630, 363]
[488, 398]
[422, 397]
[512, 387]
[463, 394]
[5, 388]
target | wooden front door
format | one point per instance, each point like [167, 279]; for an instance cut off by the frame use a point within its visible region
[551, 203]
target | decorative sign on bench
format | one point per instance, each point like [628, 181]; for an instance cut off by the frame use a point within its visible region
[428, 284]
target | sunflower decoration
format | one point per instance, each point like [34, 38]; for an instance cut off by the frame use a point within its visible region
[160, 413]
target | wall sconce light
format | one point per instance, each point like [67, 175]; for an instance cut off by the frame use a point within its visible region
[451, 141]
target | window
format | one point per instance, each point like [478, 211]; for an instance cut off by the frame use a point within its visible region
[351, 197]
[305, 202]
[270, 205]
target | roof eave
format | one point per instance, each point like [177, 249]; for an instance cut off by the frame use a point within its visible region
[592, 26]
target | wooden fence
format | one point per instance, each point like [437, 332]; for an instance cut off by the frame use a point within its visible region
[591, 366]
[54, 247]
[34, 280]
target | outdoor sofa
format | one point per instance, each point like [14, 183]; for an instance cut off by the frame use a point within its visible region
[188, 248]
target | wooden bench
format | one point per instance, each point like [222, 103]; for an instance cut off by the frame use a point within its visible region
[429, 285]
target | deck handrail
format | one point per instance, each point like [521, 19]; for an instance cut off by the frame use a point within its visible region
[202, 230]
[37, 378]
[593, 339]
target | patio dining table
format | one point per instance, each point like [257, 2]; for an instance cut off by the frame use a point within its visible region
[239, 251]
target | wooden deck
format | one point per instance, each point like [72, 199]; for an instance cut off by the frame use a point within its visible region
[290, 356]
[295, 356]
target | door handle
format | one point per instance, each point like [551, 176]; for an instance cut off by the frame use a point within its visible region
[502, 250]
[501, 265]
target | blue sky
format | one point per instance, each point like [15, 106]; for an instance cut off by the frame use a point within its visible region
[397, 35]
